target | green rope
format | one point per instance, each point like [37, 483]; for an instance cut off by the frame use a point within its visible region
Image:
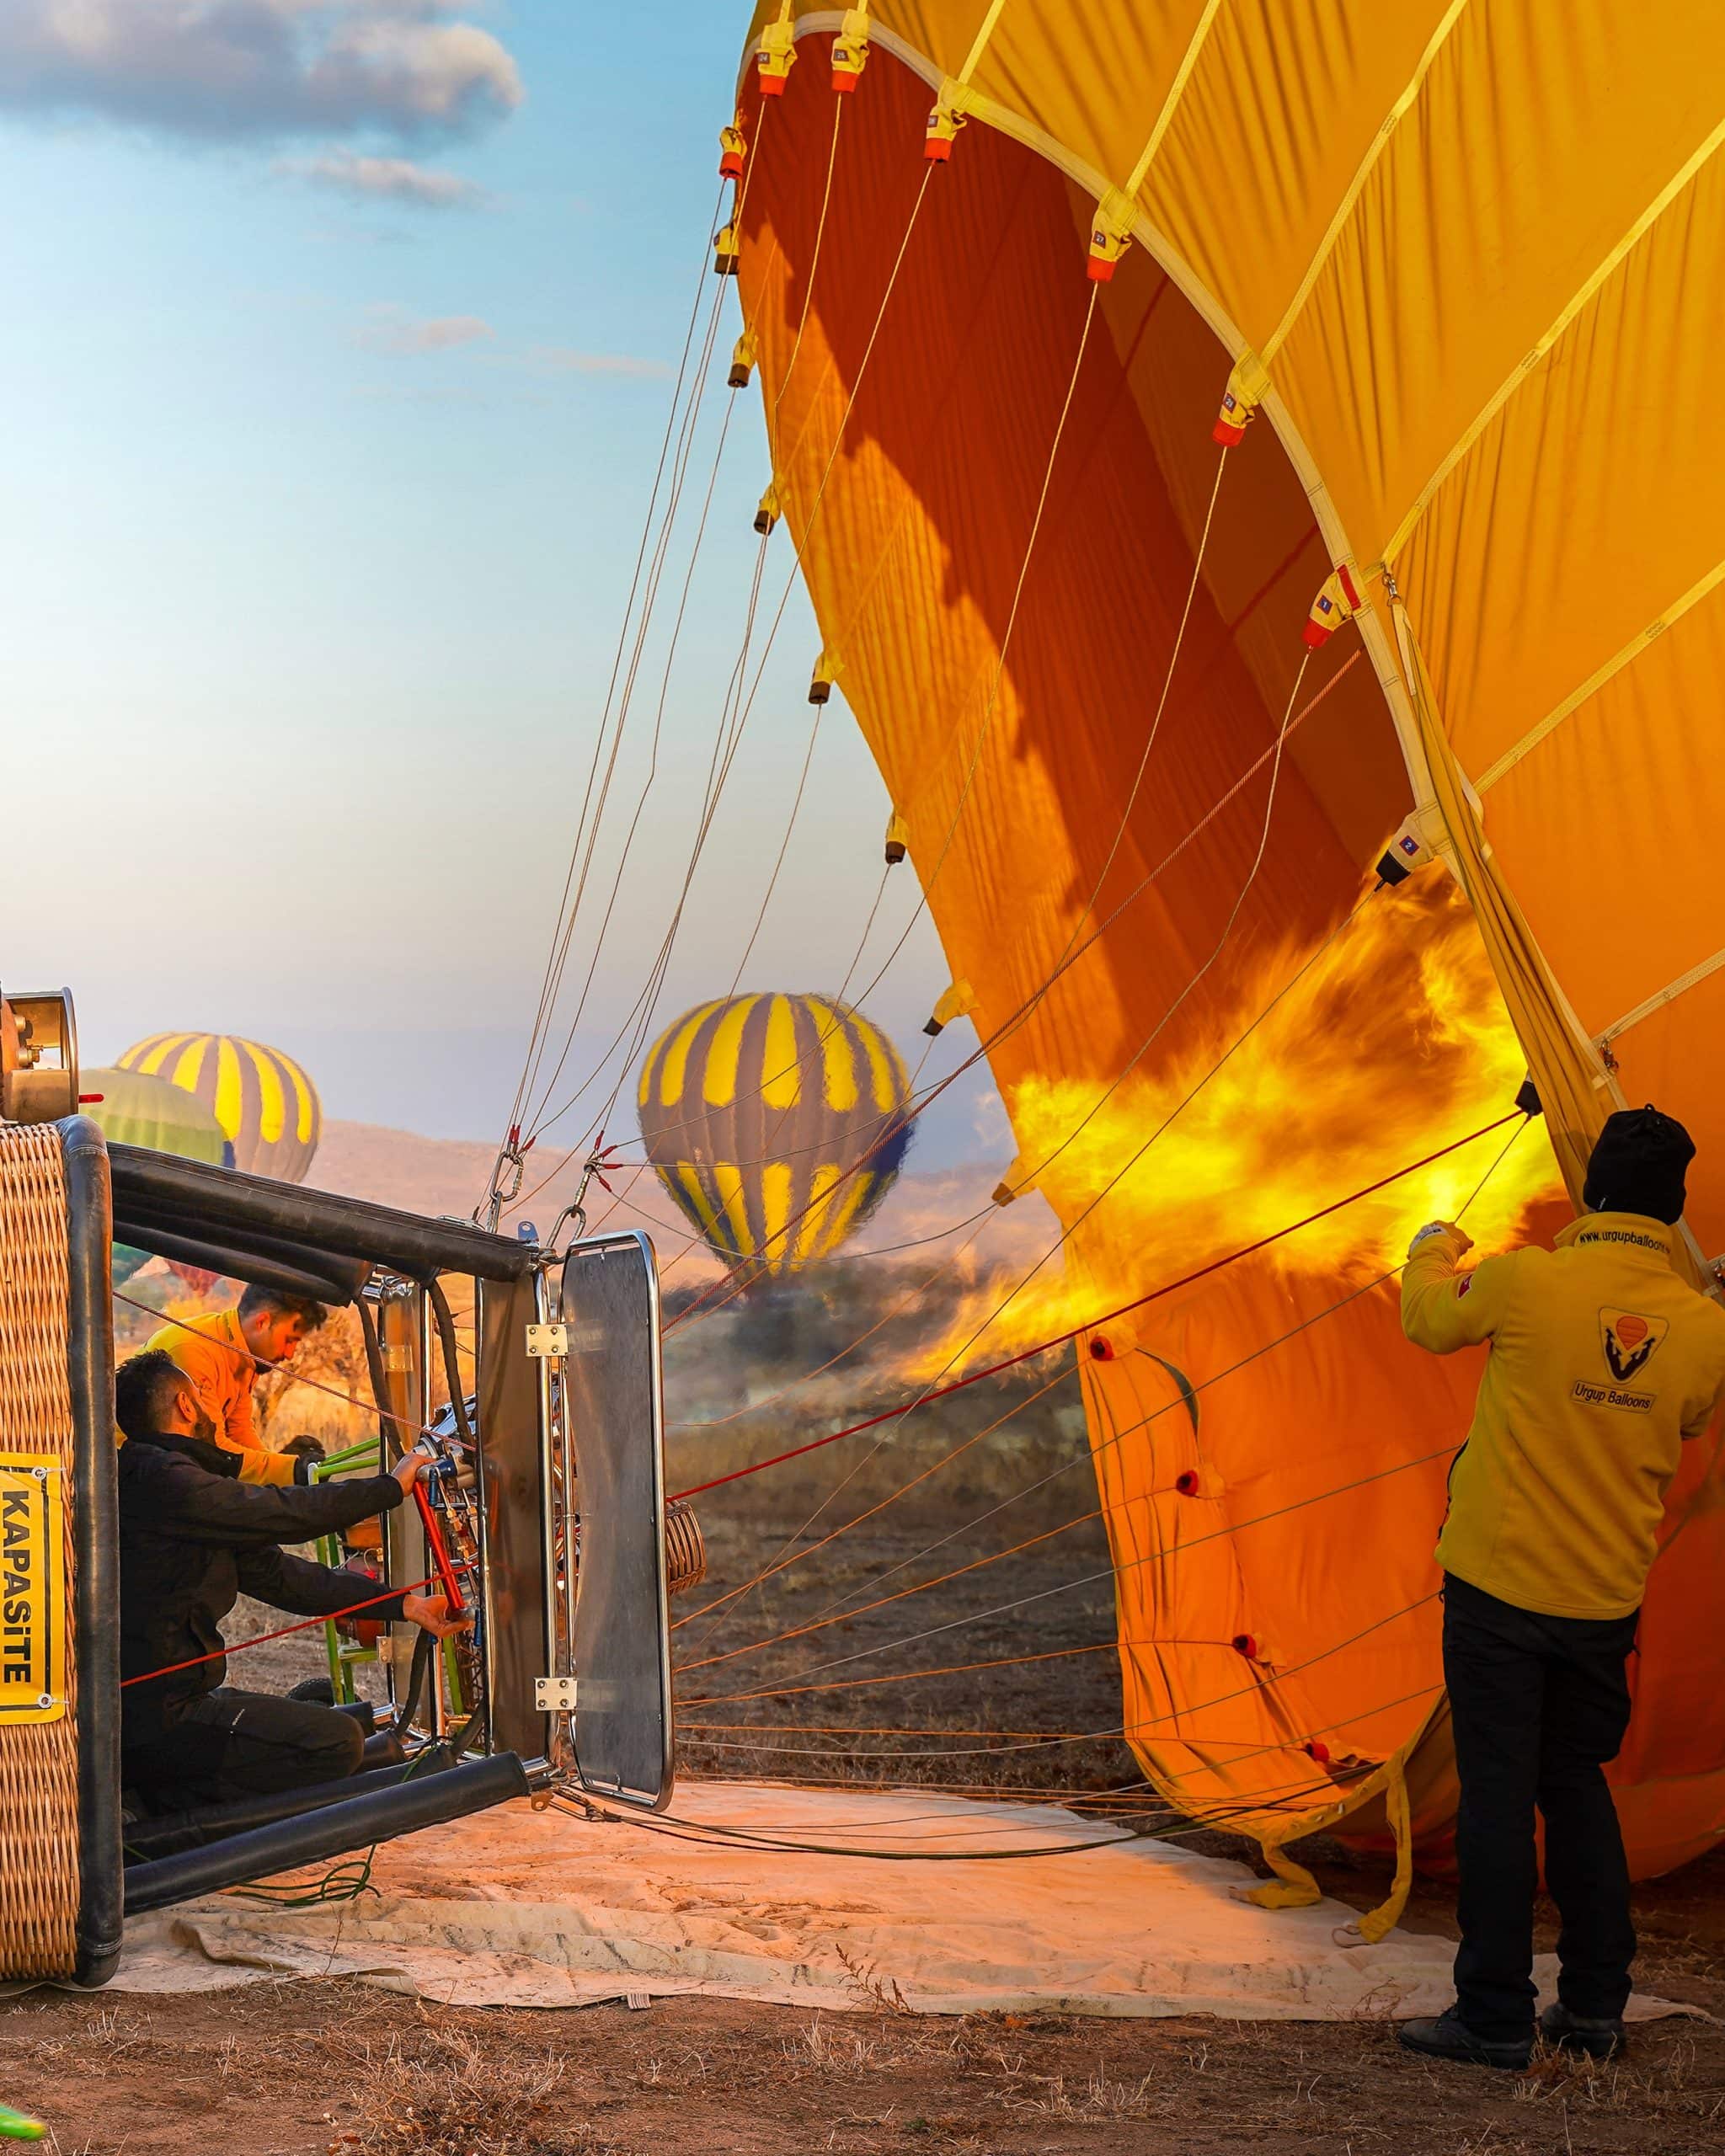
[344, 1881]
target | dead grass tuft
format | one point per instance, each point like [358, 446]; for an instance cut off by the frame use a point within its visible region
[1090, 2102]
[1664, 2082]
[441, 2095]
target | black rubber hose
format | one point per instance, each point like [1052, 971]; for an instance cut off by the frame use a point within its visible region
[326, 1279]
[408, 1705]
[463, 1738]
[380, 1383]
[95, 1527]
[451, 1360]
[314, 1837]
[383, 1750]
[173, 1832]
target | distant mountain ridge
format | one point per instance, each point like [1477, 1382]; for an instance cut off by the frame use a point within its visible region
[449, 1175]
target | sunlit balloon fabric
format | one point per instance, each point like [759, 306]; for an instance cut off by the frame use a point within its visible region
[1465, 260]
[777, 1122]
[261, 1098]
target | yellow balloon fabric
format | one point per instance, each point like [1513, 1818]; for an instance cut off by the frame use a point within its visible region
[776, 1122]
[262, 1099]
[1463, 260]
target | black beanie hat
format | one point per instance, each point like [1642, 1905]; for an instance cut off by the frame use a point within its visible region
[1637, 1164]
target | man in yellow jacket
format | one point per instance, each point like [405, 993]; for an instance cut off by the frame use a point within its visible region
[1603, 1360]
[223, 1352]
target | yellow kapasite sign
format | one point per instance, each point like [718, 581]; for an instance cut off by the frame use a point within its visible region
[33, 1615]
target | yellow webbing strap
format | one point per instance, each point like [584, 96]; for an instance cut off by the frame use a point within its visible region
[978, 45]
[1376, 1923]
[1294, 1887]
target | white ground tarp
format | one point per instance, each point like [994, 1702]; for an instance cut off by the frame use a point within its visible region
[518, 1907]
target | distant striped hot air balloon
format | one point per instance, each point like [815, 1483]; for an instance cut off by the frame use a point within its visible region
[262, 1099]
[754, 1107]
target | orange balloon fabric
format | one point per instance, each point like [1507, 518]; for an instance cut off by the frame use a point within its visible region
[1465, 293]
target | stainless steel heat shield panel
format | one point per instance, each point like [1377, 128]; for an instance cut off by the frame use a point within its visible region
[515, 1510]
[615, 1417]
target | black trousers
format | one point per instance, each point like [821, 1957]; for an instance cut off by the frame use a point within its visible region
[228, 1744]
[1539, 1704]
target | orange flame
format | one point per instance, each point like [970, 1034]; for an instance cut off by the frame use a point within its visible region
[1394, 1043]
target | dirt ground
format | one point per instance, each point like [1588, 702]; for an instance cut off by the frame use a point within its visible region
[336, 2069]
[330, 2069]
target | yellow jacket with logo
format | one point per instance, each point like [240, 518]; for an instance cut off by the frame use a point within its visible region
[1603, 1360]
[212, 1352]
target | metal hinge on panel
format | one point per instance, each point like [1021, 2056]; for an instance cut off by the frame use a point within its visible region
[548, 1340]
[554, 1695]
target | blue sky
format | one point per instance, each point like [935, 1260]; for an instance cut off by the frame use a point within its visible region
[335, 362]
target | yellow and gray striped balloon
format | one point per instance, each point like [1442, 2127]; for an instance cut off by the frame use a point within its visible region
[756, 1109]
[262, 1099]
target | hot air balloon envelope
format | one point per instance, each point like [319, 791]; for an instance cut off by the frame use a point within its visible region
[777, 1122]
[1452, 300]
[261, 1098]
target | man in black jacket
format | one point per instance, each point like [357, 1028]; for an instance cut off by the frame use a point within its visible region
[193, 1538]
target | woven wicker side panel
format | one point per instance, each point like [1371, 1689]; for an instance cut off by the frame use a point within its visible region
[39, 1833]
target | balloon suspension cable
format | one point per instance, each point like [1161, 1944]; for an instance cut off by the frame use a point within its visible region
[765, 1840]
[543, 1121]
[697, 1240]
[1016, 1017]
[541, 1016]
[1118, 1436]
[535, 1119]
[539, 1091]
[1106, 1317]
[726, 742]
[792, 1543]
[1038, 1741]
[593, 1170]
[736, 164]
[1089, 1456]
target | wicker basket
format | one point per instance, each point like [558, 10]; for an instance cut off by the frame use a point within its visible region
[685, 1547]
[59, 1853]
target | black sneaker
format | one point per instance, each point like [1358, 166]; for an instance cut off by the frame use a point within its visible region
[1449, 2037]
[1579, 2032]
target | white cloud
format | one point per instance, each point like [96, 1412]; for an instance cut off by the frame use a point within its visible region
[389, 328]
[270, 67]
[560, 359]
[397, 179]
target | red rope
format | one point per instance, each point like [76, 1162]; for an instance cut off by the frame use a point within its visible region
[262, 1639]
[1106, 1317]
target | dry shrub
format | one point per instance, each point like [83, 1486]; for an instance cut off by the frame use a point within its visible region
[443, 2096]
[287, 1400]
